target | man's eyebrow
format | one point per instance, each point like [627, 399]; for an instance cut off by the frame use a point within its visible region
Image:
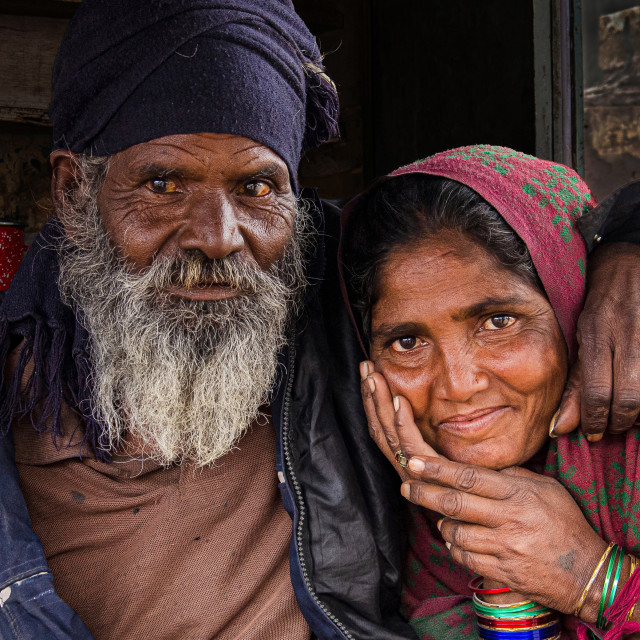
[488, 304]
[152, 169]
[271, 170]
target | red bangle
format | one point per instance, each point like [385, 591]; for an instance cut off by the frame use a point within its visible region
[474, 585]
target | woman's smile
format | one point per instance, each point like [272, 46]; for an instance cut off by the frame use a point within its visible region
[473, 422]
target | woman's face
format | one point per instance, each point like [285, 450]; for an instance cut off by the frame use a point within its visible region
[475, 349]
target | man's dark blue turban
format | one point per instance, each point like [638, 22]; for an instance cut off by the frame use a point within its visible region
[129, 71]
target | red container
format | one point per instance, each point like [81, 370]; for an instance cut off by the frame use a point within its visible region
[11, 251]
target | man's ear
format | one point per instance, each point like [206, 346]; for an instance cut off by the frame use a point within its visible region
[64, 180]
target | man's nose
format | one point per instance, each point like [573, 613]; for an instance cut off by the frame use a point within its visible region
[460, 375]
[211, 226]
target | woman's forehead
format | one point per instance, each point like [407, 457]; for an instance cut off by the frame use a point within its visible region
[448, 273]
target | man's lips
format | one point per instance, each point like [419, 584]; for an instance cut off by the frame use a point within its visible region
[473, 421]
[205, 292]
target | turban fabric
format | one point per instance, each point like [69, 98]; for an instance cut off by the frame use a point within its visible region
[129, 71]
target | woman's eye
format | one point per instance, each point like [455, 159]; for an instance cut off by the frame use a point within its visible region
[498, 322]
[255, 189]
[161, 185]
[406, 343]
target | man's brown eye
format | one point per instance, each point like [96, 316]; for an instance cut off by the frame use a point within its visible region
[161, 185]
[256, 189]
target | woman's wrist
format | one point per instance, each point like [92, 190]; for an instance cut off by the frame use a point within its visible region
[603, 590]
[500, 598]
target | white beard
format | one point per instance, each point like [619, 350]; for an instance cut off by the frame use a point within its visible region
[184, 379]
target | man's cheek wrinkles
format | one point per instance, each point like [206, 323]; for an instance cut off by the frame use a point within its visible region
[271, 232]
[270, 219]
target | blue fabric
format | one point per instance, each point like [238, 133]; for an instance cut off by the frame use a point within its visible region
[33, 611]
[29, 607]
[24, 558]
[129, 71]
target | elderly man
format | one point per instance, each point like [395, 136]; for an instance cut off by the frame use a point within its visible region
[150, 383]
[180, 374]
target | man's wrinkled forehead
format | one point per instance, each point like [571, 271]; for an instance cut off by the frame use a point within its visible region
[200, 156]
[164, 68]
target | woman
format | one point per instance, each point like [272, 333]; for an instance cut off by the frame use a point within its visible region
[466, 278]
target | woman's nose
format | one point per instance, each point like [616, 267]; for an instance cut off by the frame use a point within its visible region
[460, 374]
[212, 227]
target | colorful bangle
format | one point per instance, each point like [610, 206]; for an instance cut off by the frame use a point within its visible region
[517, 621]
[553, 633]
[474, 585]
[616, 559]
[545, 628]
[496, 623]
[616, 579]
[506, 610]
[592, 579]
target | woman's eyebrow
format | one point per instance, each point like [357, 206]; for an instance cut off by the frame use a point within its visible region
[487, 304]
[390, 329]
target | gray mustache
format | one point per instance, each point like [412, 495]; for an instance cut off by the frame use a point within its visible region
[196, 271]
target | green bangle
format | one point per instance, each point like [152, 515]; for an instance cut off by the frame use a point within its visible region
[520, 616]
[519, 610]
[613, 559]
[533, 609]
[614, 586]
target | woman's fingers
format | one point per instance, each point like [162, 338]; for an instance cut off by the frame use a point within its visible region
[411, 441]
[383, 403]
[472, 538]
[466, 478]
[391, 423]
[366, 390]
[455, 504]
[376, 429]
[485, 565]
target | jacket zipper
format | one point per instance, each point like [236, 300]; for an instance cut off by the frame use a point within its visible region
[298, 493]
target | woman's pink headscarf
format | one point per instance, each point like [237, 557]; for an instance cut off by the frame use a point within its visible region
[539, 200]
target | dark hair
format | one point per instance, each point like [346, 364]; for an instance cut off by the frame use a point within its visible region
[406, 210]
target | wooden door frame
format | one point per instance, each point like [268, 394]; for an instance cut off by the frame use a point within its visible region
[559, 81]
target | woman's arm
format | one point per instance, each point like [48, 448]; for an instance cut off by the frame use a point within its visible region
[514, 527]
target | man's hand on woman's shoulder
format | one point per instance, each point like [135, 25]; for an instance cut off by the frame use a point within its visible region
[603, 390]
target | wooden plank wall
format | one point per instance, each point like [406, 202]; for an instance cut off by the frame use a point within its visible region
[28, 47]
[30, 33]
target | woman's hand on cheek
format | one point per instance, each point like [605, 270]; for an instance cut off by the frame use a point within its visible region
[393, 430]
[515, 527]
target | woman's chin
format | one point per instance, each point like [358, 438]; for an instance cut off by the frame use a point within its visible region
[481, 455]
[491, 454]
